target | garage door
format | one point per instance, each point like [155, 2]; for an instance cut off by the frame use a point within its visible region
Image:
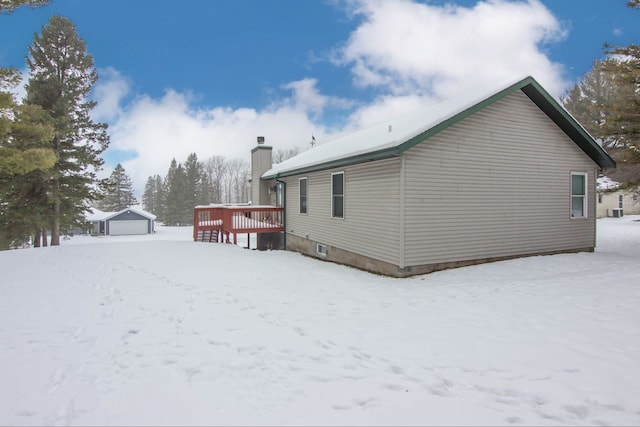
[122, 228]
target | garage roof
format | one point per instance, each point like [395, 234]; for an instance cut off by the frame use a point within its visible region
[98, 215]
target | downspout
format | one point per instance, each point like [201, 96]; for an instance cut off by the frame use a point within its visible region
[284, 212]
[594, 212]
[402, 254]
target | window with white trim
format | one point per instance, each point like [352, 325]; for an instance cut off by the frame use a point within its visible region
[337, 195]
[620, 201]
[303, 195]
[578, 195]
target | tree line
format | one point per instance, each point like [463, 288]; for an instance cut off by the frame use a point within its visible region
[606, 101]
[50, 148]
[216, 180]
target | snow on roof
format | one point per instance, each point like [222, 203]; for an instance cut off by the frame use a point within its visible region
[95, 214]
[388, 134]
[606, 183]
[227, 205]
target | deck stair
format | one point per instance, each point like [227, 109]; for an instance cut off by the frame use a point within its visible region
[207, 236]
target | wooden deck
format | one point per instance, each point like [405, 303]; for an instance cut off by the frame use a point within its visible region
[212, 221]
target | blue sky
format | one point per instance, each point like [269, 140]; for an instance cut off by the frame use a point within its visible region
[208, 76]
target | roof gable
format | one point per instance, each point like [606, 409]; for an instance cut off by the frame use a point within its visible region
[98, 215]
[134, 210]
[395, 136]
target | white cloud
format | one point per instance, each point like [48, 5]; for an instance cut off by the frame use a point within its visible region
[385, 107]
[307, 98]
[112, 87]
[407, 47]
[410, 53]
[154, 131]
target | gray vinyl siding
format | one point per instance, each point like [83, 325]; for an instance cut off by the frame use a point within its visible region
[495, 184]
[371, 210]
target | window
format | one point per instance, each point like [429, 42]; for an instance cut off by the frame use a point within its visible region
[321, 249]
[578, 195]
[303, 195]
[620, 201]
[337, 195]
[599, 197]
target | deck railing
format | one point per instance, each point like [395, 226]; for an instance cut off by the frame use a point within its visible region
[234, 219]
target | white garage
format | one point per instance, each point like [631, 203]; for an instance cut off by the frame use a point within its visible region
[126, 227]
[127, 222]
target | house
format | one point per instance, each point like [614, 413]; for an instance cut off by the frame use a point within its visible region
[502, 174]
[128, 221]
[614, 201]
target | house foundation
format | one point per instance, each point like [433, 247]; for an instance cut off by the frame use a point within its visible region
[341, 256]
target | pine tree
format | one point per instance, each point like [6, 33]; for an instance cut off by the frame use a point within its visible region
[161, 197]
[62, 75]
[174, 184]
[624, 64]
[193, 192]
[590, 101]
[25, 132]
[23, 215]
[25, 161]
[118, 191]
[607, 102]
[8, 6]
[25, 157]
[149, 201]
[207, 189]
[153, 197]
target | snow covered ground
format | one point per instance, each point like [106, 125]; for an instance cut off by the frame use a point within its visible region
[161, 330]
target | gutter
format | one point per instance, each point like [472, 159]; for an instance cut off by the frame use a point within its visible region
[347, 161]
[284, 211]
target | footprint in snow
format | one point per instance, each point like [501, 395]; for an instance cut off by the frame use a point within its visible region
[55, 380]
[79, 331]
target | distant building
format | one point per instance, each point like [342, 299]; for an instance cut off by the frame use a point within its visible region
[614, 201]
[128, 221]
